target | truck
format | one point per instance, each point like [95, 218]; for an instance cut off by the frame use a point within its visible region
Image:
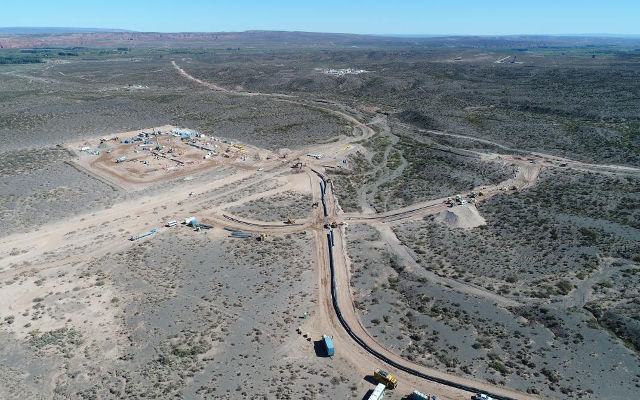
[328, 344]
[378, 392]
[171, 223]
[481, 396]
[386, 378]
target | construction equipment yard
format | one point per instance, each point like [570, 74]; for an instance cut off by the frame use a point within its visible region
[157, 154]
[171, 173]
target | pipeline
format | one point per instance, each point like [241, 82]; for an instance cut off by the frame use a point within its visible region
[201, 147]
[259, 225]
[324, 207]
[378, 355]
[155, 153]
[323, 191]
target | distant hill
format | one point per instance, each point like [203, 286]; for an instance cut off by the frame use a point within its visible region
[105, 38]
[25, 30]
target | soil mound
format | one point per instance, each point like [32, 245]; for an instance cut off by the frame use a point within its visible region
[466, 217]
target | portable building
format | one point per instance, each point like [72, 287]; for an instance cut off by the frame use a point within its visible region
[378, 392]
[328, 344]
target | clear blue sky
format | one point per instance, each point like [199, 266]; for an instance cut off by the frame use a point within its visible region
[483, 17]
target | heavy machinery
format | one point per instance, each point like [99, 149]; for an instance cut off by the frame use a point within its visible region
[385, 378]
[334, 224]
[290, 220]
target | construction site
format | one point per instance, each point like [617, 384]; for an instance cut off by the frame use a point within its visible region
[158, 154]
[219, 266]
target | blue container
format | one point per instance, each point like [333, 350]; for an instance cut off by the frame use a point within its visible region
[328, 343]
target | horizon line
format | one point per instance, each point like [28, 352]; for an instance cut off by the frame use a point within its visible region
[398, 35]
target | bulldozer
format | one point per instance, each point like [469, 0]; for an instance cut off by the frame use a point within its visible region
[385, 378]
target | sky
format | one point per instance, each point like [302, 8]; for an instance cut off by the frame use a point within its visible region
[464, 17]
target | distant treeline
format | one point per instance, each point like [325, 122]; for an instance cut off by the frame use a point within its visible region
[20, 60]
[52, 52]
[52, 49]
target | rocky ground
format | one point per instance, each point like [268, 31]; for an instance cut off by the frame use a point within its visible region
[181, 315]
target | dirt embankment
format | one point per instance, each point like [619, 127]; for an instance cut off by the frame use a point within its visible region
[465, 217]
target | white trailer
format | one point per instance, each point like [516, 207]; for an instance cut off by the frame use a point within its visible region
[378, 392]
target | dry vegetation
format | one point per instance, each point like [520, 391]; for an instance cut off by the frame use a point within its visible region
[278, 207]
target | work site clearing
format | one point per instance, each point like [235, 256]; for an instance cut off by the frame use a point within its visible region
[226, 270]
[156, 154]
